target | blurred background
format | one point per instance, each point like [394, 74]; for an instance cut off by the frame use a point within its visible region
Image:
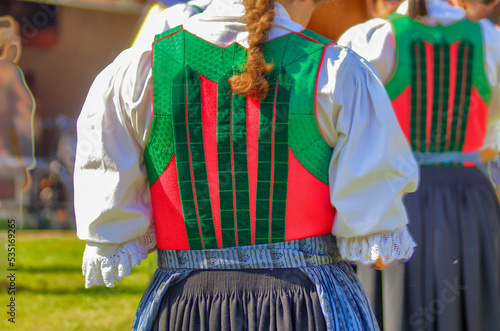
[63, 45]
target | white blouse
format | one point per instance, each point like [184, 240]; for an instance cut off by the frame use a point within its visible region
[371, 168]
[374, 40]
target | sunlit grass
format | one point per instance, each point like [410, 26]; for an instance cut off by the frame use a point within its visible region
[50, 287]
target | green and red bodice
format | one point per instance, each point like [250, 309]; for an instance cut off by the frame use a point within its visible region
[438, 87]
[228, 171]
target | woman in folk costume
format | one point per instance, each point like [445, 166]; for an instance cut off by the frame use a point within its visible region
[17, 107]
[265, 154]
[441, 71]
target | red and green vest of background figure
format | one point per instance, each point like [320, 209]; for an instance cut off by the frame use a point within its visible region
[438, 86]
[229, 171]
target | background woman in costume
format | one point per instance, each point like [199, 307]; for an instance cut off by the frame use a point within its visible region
[259, 129]
[479, 11]
[16, 107]
[441, 72]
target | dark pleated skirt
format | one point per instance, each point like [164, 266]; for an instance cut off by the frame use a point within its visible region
[452, 281]
[273, 299]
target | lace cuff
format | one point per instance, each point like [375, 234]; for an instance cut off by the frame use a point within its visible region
[394, 245]
[105, 269]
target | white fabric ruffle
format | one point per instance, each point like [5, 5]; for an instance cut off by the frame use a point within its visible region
[492, 138]
[394, 245]
[104, 270]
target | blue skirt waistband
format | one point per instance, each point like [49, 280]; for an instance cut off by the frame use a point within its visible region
[311, 251]
[446, 157]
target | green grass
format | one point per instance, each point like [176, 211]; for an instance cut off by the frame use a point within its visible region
[51, 293]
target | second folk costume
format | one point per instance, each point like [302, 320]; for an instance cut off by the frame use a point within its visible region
[441, 72]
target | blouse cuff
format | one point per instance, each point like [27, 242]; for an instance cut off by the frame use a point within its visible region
[105, 269]
[394, 245]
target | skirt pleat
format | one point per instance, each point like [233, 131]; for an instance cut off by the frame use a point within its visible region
[339, 285]
[276, 299]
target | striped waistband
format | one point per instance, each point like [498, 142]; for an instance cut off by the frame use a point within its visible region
[446, 157]
[311, 251]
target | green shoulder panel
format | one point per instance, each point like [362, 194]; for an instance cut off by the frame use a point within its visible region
[393, 16]
[160, 147]
[316, 37]
[302, 63]
[168, 32]
[407, 32]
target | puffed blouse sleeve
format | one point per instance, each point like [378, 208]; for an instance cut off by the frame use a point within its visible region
[375, 42]
[372, 166]
[112, 199]
[491, 50]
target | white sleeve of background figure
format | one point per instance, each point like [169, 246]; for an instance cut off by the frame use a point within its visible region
[372, 166]
[166, 19]
[374, 41]
[491, 49]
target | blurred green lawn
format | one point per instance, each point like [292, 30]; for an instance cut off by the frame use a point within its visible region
[51, 293]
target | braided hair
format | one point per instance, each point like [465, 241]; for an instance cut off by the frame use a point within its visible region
[259, 17]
